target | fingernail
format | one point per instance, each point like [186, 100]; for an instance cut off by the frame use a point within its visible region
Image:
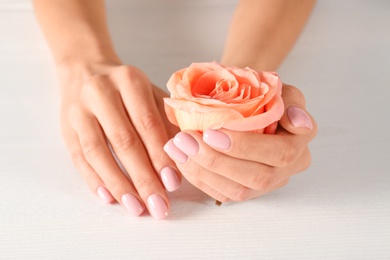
[157, 207]
[170, 179]
[132, 205]
[298, 117]
[186, 143]
[104, 195]
[174, 152]
[217, 139]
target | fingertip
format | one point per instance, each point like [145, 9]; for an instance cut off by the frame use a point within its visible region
[157, 207]
[217, 139]
[132, 204]
[170, 179]
[104, 195]
[298, 117]
[296, 120]
[175, 153]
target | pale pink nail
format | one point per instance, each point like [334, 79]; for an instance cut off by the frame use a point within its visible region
[132, 205]
[157, 207]
[186, 143]
[170, 179]
[217, 139]
[104, 195]
[298, 117]
[174, 152]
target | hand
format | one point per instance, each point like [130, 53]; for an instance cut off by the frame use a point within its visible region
[237, 166]
[114, 128]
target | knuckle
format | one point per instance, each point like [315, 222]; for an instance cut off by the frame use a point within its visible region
[284, 183]
[263, 181]
[95, 82]
[115, 185]
[91, 148]
[288, 155]
[144, 183]
[211, 161]
[73, 112]
[97, 86]
[148, 122]
[78, 159]
[123, 141]
[307, 161]
[293, 92]
[74, 117]
[241, 194]
[126, 72]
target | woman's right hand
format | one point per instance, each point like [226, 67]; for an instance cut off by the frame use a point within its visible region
[113, 106]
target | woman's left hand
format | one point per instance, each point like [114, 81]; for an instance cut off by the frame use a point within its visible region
[237, 166]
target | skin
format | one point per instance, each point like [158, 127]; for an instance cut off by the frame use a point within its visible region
[255, 164]
[104, 101]
[261, 34]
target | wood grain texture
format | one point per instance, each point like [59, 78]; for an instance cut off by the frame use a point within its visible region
[338, 209]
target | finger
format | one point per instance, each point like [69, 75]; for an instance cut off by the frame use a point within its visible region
[247, 173]
[256, 193]
[190, 151]
[107, 107]
[221, 188]
[224, 177]
[278, 150]
[296, 119]
[198, 183]
[216, 186]
[159, 94]
[98, 155]
[93, 180]
[138, 99]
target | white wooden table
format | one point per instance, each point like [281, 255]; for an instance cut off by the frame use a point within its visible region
[338, 209]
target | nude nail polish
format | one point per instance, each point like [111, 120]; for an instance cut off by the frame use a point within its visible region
[174, 152]
[104, 195]
[157, 207]
[131, 203]
[186, 143]
[298, 117]
[217, 139]
[170, 179]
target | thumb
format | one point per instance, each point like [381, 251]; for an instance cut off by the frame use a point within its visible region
[296, 119]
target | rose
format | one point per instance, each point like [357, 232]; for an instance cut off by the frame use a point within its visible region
[212, 96]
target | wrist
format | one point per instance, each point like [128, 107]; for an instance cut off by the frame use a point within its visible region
[82, 68]
[255, 59]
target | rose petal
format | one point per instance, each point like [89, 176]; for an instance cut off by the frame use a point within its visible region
[196, 70]
[260, 121]
[190, 115]
[208, 82]
[209, 95]
[246, 76]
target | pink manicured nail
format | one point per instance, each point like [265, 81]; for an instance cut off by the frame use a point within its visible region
[132, 205]
[174, 152]
[157, 207]
[186, 143]
[170, 179]
[217, 139]
[298, 117]
[104, 195]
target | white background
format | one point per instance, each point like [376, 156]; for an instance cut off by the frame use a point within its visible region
[338, 209]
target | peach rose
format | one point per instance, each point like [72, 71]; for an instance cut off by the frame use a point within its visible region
[211, 96]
